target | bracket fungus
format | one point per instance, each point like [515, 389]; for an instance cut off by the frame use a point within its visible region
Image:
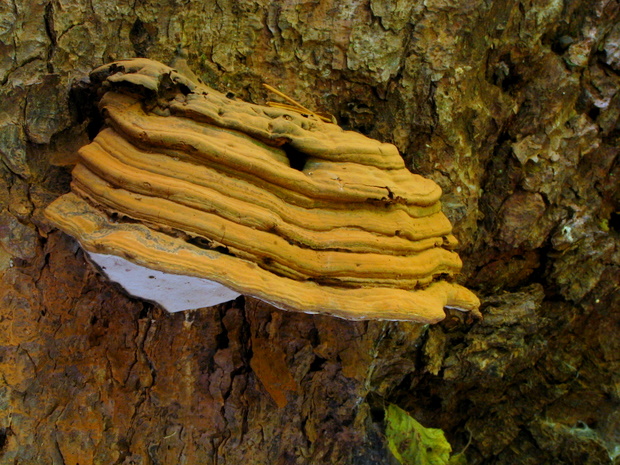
[189, 197]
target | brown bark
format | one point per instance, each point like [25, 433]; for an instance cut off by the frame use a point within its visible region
[512, 107]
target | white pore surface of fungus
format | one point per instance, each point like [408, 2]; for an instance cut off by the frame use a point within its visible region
[173, 292]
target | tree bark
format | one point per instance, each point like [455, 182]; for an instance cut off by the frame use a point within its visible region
[512, 107]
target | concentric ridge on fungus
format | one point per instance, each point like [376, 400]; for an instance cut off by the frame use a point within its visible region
[264, 201]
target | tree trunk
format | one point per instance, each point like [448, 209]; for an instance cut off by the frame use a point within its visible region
[512, 107]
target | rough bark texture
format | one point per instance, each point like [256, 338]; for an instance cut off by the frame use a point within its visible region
[512, 107]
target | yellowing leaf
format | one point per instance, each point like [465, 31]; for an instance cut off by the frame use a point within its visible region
[413, 444]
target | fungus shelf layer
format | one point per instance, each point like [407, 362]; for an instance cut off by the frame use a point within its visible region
[263, 201]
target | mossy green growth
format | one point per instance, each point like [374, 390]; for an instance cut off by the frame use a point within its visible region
[413, 444]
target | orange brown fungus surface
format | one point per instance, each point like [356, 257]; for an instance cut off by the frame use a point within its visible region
[265, 201]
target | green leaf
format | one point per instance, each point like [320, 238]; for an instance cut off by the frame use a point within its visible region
[413, 444]
[458, 459]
